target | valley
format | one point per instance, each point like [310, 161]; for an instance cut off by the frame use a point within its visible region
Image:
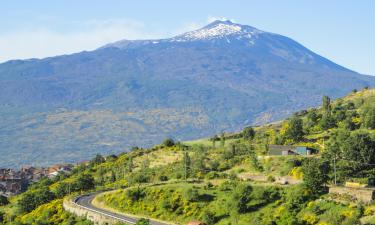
[221, 77]
[284, 173]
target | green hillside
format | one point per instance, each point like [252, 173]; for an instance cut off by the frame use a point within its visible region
[229, 178]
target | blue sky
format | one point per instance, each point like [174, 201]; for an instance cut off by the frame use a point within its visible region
[341, 30]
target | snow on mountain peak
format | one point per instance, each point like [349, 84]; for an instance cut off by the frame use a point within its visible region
[218, 29]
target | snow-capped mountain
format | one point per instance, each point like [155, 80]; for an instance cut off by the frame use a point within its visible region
[216, 30]
[219, 30]
[233, 34]
[137, 92]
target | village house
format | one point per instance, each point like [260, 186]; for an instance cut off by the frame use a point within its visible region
[54, 170]
[11, 182]
[14, 182]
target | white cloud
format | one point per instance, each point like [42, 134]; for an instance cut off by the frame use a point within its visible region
[42, 42]
[211, 19]
[188, 27]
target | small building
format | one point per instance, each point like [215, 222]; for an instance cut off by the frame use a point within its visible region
[59, 168]
[290, 150]
[281, 150]
[303, 150]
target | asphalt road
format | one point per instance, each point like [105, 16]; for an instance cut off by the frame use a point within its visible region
[85, 201]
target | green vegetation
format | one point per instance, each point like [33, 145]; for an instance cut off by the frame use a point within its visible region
[229, 178]
[232, 202]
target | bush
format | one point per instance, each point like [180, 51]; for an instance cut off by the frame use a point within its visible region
[209, 217]
[168, 142]
[226, 186]
[192, 195]
[135, 194]
[3, 200]
[212, 175]
[163, 178]
[271, 179]
[143, 221]
[248, 133]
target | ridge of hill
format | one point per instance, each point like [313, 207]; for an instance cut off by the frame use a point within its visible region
[231, 177]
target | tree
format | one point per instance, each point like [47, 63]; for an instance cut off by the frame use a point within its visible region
[209, 217]
[248, 133]
[241, 196]
[315, 174]
[326, 105]
[191, 194]
[168, 142]
[112, 178]
[98, 159]
[62, 189]
[327, 122]
[186, 161]
[368, 116]
[358, 151]
[214, 139]
[84, 182]
[222, 139]
[254, 158]
[130, 165]
[3, 200]
[198, 160]
[349, 124]
[143, 221]
[294, 130]
[30, 200]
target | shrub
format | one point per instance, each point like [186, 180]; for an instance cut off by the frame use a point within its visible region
[143, 221]
[271, 179]
[209, 217]
[226, 186]
[191, 194]
[168, 142]
[163, 178]
[135, 194]
[3, 200]
[212, 175]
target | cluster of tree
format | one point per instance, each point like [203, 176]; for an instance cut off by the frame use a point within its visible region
[41, 194]
[33, 199]
[352, 154]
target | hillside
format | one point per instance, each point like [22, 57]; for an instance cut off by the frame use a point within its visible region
[231, 178]
[136, 93]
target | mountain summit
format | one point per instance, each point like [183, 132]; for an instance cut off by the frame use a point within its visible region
[220, 29]
[216, 30]
[137, 92]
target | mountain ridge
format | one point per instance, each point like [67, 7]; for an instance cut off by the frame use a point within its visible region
[66, 107]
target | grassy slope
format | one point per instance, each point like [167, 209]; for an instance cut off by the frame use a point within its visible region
[166, 161]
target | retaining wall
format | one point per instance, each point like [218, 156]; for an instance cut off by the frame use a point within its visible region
[96, 217]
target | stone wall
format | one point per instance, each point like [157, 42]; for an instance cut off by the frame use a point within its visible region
[362, 194]
[97, 218]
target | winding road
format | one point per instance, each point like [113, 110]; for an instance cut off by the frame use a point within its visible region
[85, 201]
